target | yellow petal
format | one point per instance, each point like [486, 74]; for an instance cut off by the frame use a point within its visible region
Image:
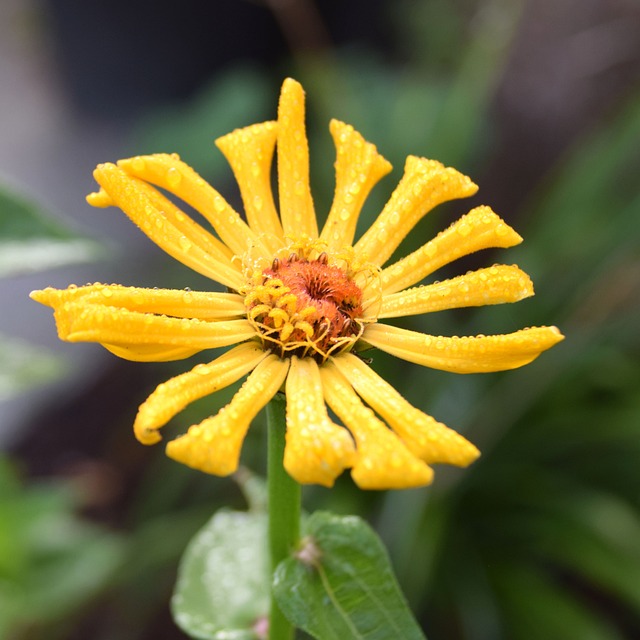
[168, 227]
[170, 173]
[424, 185]
[149, 352]
[214, 445]
[494, 285]
[317, 450]
[479, 229]
[424, 436]
[296, 204]
[173, 396]
[383, 461]
[249, 151]
[87, 322]
[359, 166]
[204, 305]
[463, 355]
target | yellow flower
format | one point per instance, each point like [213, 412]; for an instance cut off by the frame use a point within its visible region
[302, 303]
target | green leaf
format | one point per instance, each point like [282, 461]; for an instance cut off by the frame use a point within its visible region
[31, 240]
[341, 585]
[23, 366]
[223, 582]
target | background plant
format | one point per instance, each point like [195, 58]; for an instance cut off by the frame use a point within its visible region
[539, 538]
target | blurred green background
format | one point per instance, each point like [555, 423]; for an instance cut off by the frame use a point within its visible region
[538, 101]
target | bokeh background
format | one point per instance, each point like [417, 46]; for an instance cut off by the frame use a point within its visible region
[537, 100]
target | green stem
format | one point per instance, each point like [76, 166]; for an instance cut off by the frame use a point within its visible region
[284, 509]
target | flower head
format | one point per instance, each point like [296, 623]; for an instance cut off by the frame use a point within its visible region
[302, 303]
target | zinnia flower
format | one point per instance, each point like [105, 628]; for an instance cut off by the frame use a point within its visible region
[301, 304]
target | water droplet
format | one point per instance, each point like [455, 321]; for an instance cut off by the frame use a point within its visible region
[174, 177]
[464, 229]
[431, 250]
[257, 203]
[185, 243]
[345, 214]
[138, 164]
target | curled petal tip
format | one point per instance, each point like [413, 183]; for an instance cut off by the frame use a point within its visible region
[146, 435]
[99, 199]
[37, 295]
[44, 296]
[559, 336]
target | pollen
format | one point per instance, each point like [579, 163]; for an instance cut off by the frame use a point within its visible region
[306, 304]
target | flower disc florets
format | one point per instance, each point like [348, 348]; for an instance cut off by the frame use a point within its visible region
[308, 304]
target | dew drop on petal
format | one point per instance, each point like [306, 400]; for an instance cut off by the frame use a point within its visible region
[174, 177]
[464, 229]
[185, 243]
[431, 250]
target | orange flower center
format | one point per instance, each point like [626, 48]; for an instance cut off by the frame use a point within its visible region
[305, 307]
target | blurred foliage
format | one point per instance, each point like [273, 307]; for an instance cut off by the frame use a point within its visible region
[52, 563]
[31, 240]
[23, 366]
[539, 539]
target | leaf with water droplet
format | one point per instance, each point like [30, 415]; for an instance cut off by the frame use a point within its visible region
[223, 582]
[340, 584]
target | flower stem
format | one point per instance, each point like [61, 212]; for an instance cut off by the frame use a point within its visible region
[284, 509]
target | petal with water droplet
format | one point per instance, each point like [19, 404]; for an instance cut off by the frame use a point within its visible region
[476, 354]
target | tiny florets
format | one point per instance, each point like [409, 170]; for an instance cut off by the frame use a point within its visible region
[305, 306]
